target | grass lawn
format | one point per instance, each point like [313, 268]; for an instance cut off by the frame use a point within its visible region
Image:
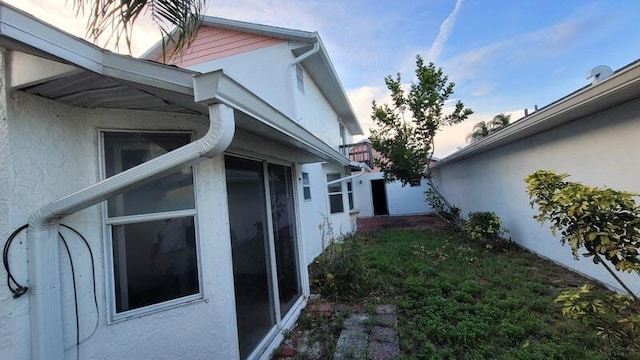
[457, 300]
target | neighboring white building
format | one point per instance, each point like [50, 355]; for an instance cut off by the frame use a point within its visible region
[591, 134]
[202, 190]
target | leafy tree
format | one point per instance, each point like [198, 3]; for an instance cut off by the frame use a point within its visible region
[480, 130]
[115, 18]
[406, 146]
[498, 122]
[606, 223]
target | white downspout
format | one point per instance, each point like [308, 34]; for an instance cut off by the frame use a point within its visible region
[362, 171]
[45, 297]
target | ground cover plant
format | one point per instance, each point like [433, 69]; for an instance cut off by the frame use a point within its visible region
[457, 300]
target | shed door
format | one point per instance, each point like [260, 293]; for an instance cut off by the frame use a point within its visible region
[379, 197]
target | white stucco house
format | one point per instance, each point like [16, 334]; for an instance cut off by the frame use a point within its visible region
[373, 196]
[201, 187]
[591, 134]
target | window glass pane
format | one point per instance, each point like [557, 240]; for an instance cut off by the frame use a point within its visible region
[125, 150]
[154, 261]
[250, 251]
[305, 178]
[284, 236]
[335, 203]
[331, 177]
[307, 193]
[333, 188]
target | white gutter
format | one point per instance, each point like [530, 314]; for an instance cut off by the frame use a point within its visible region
[45, 296]
[299, 59]
[362, 171]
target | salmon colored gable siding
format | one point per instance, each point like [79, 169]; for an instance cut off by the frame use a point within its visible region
[211, 44]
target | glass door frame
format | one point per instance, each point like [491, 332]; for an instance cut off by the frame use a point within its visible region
[288, 320]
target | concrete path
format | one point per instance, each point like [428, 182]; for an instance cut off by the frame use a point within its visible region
[371, 337]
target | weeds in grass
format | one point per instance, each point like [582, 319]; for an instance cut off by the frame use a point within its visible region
[456, 300]
[339, 272]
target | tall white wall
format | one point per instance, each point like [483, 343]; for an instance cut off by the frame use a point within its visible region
[268, 72]
[264, 71]
[401, 200]
[52, 151]
[598, 150]
[314, 112]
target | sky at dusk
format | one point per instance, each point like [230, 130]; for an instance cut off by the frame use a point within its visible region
[504, 56]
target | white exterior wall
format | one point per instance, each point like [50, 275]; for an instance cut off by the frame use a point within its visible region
[407, 200]
[598, 150]
[274, 79]
[268, 72]
[316, 114]
[53, 151]
[263, 71]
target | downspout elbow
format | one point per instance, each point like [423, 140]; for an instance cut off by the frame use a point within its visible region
[45, 296]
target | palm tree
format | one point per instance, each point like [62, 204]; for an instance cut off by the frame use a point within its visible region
[480, 130]
[498, 122]
[115, 18]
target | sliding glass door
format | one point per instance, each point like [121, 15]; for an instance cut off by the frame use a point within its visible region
[264, 247]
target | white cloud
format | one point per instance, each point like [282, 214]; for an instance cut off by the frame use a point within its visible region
[443, 34]
[361, 99]
[480, 63]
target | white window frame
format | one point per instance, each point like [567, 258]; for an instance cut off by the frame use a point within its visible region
[108, 223]
[350, 194]
[306, 185]
[334, 193]
[267, 344]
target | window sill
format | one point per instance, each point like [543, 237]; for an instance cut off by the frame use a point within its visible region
[155, 308]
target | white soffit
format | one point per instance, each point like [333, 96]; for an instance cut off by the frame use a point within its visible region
[27, 69]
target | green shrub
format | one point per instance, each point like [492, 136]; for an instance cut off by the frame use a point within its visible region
[486, 227]
[339, 272]
[604, 223]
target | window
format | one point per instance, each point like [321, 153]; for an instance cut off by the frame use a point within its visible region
[152, 231]
[306, 187]
[300, 78]
[343, 134]
[335, 194]
[350, 194]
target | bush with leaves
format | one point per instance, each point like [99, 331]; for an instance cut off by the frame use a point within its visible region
[339, 271]
[605, 223]
[486, 227]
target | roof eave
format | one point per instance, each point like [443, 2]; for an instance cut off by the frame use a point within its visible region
[621, 87]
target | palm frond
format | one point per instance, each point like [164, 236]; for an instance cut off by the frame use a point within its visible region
[112, 21]
[499, 121]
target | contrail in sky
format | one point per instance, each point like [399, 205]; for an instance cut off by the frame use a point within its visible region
[443, 34]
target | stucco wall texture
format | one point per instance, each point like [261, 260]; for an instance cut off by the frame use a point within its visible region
[50, 150]
[597, 150]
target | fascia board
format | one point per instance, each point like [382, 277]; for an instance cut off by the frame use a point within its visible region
[337, 96]
[24, 28]
[259, 29]
[620, 87]
[228, 91]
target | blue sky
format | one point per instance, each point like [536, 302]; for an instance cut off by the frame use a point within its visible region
[504, 56]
